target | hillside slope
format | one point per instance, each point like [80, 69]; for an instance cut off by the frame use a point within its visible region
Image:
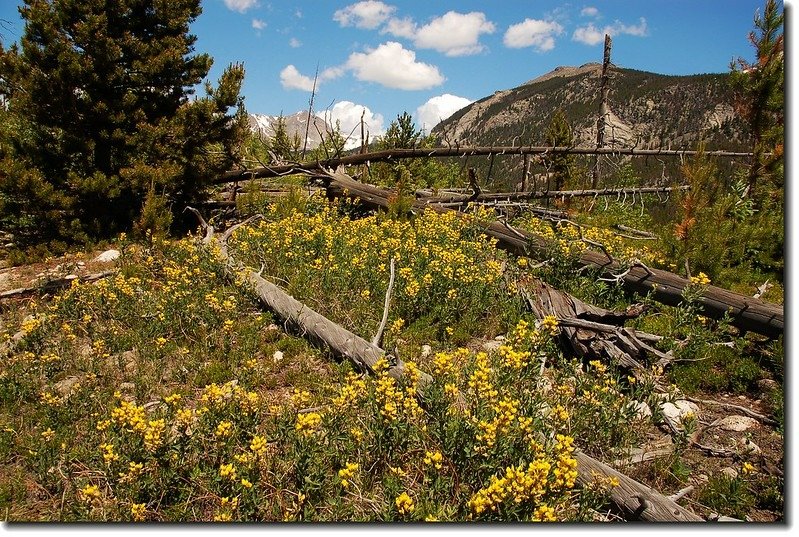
[649, 110]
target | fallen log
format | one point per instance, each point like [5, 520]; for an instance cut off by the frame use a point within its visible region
[745, 312]
[588, 331]
[544, 194]
[53, 285]
[634, 499]
[300, 319]
[390, 155]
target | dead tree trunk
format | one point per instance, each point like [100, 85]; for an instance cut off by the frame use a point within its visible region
[314, 326]
[604, 110]
[634, 499]
[54, 285]
[745, 312]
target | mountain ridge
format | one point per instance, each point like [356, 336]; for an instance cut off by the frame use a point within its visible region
[648, 110]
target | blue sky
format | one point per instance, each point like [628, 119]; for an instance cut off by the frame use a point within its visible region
[430, 58]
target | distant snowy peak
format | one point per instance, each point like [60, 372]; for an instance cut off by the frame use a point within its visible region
[298, 124]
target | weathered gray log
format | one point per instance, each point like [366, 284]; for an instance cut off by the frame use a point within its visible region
[588, 331]
[53, 285]
[745, 312]
[443, 152]
[301, 319]
[544, 194]
[636, 500]
[323, 332]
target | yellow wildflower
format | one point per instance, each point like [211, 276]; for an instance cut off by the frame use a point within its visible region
[138, 511]
[434, 459]
[90, 493]
[228, 471]
[258, 444]
[347, 473]
[224, 429]
[544, 513]
[307, 423]
[404, 504]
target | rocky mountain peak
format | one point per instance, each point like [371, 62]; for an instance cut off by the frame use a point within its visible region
[296, 124]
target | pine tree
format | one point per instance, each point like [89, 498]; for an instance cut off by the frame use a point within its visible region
[559, 134]
[101, 91]
[760, 97]
[402, 133]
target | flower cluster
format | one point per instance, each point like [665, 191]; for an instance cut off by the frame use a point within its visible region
[347, 474]
[307, 423]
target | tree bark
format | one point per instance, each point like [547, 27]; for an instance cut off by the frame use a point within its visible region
[636, 500]
[604, 110]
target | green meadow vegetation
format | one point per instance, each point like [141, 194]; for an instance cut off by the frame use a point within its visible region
[167, 392]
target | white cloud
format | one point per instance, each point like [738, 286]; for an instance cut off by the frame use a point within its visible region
[331, 73]
[640, 30]
[588, 35]
[258, 24]
[295, 43]
[349, 114]
[291, 78]
[400, 27]
[394, 67]
[454, 34]
[437, 109]
[539, 34]
[240, 5]
[589, 11]
[591, 35]
[368, 14]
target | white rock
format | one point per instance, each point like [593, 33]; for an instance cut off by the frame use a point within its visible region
[491, 346]
[5, 277]
[107, 256]
[736, 423]
[677, 410]
[426, 351]
[641, 409]
[277, 357]
[67, 386]
[730, 472]
[750, 447]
